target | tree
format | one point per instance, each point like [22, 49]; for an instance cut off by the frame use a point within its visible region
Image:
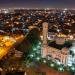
[34, 36]
[68, 44]
[31, 40]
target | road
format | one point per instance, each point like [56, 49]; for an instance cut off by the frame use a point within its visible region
[8, 45]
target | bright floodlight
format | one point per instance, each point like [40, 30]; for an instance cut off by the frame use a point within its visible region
[31, 55]
[60, 68]
[44, 61]
[38, 58]
[34, 49]
[73, 68]
[52, 65]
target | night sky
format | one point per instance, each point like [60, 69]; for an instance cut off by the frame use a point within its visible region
[37, 3]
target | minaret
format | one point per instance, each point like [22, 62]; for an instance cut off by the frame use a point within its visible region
[44, 45]
[45, 32]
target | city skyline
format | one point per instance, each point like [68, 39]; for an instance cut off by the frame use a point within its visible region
[37, 3]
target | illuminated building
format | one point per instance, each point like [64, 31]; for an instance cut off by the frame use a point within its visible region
[62, 56]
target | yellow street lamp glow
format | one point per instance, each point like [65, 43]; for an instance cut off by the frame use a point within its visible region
[9, 43]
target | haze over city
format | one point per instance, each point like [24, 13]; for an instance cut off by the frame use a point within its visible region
[37, 3]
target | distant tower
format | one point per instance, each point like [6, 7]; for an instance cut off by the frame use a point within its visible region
[44, 45]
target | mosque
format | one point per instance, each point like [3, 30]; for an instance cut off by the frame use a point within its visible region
[62, 56]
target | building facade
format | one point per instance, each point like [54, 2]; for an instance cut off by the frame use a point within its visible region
[60, 56]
